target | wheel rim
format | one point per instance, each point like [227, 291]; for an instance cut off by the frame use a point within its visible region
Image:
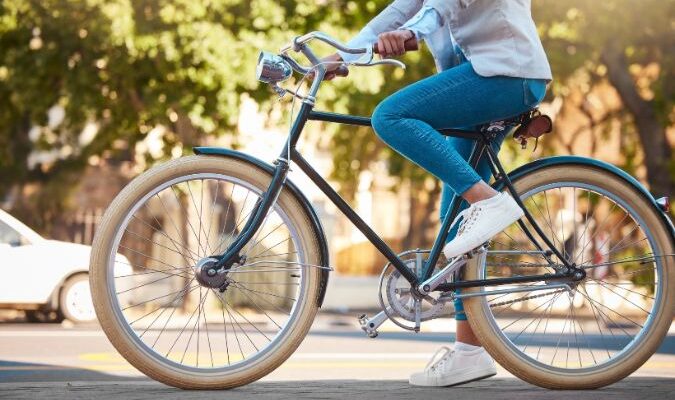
[218, 332]
[605, 316]
[78, 301]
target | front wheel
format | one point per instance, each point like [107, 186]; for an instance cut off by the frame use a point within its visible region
[195, 331]
[607, 325]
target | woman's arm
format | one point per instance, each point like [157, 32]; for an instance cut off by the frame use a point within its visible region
[424, 23]
[392, 17]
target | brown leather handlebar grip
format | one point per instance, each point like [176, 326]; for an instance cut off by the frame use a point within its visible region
[409, 45]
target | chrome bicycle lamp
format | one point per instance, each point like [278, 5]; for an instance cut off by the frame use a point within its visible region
[272, 68]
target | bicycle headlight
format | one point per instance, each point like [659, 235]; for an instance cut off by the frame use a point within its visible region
[272, 68]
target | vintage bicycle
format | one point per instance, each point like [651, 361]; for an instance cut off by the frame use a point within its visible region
[231, 262]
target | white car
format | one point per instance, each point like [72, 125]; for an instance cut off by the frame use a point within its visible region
[48, 279]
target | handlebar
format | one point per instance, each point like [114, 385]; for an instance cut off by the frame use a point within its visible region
[409, 45]
[297, 45]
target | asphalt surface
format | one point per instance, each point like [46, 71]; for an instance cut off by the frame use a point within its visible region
[336, 361]
[500, 388]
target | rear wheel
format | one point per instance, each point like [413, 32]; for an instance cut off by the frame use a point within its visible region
[195, 331]
[607, 325]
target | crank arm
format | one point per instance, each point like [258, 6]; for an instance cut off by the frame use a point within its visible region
[432, 283]
[370, 325]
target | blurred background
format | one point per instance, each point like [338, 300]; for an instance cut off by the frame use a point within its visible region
[94, 92]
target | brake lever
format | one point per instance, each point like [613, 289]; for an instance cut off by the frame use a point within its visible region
[388, 61]
[368, 61]
[367, 58]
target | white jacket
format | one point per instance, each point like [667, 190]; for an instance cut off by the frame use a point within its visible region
[499, 37]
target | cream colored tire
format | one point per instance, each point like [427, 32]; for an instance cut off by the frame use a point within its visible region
[483, 323]
[155, 365]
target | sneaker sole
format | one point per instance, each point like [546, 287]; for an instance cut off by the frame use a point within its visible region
[465, 377]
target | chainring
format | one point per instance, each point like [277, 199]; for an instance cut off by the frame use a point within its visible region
[403, 303]
[396, 299]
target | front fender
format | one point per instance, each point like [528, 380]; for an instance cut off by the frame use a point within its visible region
[590, 162]
[268, 168]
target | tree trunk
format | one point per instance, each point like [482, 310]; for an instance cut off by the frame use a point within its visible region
[421, 215]
[652, 134]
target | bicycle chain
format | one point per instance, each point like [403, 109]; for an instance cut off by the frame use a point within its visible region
[517, 265]
[503, 303]
[529, 297]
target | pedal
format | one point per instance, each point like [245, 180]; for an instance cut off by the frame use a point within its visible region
[370, 325]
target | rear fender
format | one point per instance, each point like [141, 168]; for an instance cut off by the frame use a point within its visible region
[561, 161]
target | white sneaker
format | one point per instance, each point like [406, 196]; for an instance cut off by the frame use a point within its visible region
[455, 367]
[481, 221]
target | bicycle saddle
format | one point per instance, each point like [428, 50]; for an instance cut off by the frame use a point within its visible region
[531, 124]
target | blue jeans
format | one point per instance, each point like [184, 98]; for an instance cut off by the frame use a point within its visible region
[458, 97]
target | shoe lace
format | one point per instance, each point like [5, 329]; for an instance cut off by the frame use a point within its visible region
[437, 362]
[468, 217]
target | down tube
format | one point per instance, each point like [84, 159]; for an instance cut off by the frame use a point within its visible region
[382, 247]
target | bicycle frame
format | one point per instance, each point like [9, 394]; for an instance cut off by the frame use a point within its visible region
[482, 148]
[289, 154]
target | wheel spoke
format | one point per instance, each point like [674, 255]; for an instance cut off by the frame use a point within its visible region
[171, 312]
[601, 316]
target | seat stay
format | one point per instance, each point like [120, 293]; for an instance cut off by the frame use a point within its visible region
[492, 156]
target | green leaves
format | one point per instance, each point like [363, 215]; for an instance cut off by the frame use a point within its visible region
[125, 67]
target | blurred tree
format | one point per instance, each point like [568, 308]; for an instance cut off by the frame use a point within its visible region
[356, 149]
[612, 41]
[82, 79]
[621, 42]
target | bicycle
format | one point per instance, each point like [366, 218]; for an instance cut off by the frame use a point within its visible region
[591, 270]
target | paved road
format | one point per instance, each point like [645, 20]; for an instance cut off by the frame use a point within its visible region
[335, 362]
[499, 388]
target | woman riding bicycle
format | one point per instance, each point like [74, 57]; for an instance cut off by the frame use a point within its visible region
[492, 66]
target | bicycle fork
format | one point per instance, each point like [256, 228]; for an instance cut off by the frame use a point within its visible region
[232, 256]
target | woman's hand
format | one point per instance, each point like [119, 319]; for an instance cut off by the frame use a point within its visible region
[392, 43]
[332, 63]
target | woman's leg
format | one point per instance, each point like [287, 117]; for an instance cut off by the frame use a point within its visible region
[463, 147]
[408, 119]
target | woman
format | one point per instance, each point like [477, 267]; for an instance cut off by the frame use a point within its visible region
[491, 66]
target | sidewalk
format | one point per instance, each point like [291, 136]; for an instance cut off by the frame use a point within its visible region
[491, 389]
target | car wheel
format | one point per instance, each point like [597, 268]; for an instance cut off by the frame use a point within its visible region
[75, 301]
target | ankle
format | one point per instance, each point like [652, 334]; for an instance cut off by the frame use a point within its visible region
[479, 192]
[459, 346]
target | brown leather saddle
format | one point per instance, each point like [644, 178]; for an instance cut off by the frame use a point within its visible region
[532, 125]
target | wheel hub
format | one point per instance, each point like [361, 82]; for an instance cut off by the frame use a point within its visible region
[208, 275]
